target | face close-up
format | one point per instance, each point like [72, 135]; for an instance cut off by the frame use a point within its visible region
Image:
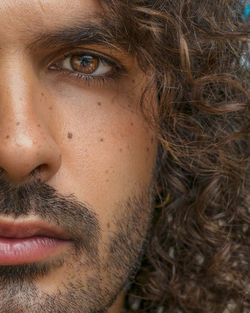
[124, 156]
[77, 160]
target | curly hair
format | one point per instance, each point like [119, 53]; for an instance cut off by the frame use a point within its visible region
[194, 54]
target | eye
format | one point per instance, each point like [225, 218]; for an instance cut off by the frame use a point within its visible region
[86, 64]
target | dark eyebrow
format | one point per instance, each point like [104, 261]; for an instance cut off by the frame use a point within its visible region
[98, 32]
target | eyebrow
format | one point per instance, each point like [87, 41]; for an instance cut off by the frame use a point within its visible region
[99, 32]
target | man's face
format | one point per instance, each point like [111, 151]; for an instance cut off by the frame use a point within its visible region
[76, 158]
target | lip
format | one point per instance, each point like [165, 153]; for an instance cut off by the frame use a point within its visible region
[26, 229]
[30, 241]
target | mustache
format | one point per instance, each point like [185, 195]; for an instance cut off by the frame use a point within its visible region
[66, 212]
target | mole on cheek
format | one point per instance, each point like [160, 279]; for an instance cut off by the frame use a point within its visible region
[51, 108]
[101, 139]
[99, 103]
[70, 135]
[132, 124]
[7, 137]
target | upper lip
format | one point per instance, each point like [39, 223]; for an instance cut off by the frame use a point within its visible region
[30, 228]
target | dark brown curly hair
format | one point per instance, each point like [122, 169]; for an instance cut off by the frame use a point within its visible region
[194, 54]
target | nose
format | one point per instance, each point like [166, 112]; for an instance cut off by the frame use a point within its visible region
[27, 146]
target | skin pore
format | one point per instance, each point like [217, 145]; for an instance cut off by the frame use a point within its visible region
[76, 151]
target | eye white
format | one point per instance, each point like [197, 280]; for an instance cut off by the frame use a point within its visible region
[102, 68]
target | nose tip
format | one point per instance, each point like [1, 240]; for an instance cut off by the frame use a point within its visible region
[23, 157]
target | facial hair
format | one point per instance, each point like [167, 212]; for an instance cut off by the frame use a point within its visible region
[105, 277]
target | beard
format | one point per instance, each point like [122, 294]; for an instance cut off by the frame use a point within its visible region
[95, 271]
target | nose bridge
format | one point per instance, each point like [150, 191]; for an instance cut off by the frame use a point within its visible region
[17, 90]
[28, 144]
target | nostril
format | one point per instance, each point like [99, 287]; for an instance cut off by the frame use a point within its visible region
[39, 170]
[2, 172]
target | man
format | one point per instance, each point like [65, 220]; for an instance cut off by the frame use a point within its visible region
[123, 157]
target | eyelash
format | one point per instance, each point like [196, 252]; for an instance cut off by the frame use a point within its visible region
[115, 73]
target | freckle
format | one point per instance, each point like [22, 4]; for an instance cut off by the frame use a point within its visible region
[70, 135]
[51, 108]
[132, 124]
[106, 171]
[7, 137]
[133, 81]
[152, 140]
[18, 123]
[129, 106]
[38, 125]
[101, 139]
[99, 103]
[121, 150]
[147, 149]
[42, 94]
[107, 180]
[108, 225]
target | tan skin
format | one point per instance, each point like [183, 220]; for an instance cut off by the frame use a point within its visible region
[89, 139]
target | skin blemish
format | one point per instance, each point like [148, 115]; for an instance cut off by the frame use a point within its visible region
[108, 225]
[51, 108]
[70, 135]
[133, 81]
[101, 139]
[99, 103]
[132, 124]
[147, 149]
[42, 94]
[152, 140]
[38, 125]
[7, 137]
[121, 150]
[18, 123]
[107, 171]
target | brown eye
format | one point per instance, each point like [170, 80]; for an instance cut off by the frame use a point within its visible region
[85, 64]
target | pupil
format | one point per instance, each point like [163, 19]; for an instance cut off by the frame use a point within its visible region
[86, 60]
[85, 63]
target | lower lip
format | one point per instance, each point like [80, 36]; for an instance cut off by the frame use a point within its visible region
[15, 251]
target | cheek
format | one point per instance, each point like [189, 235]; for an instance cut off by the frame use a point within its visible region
[108, 151]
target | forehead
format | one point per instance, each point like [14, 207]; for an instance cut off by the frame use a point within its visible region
[21, 18]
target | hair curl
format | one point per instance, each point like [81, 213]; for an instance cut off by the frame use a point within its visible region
[194, 53]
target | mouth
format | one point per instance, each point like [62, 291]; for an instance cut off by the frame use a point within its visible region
[30, 241]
